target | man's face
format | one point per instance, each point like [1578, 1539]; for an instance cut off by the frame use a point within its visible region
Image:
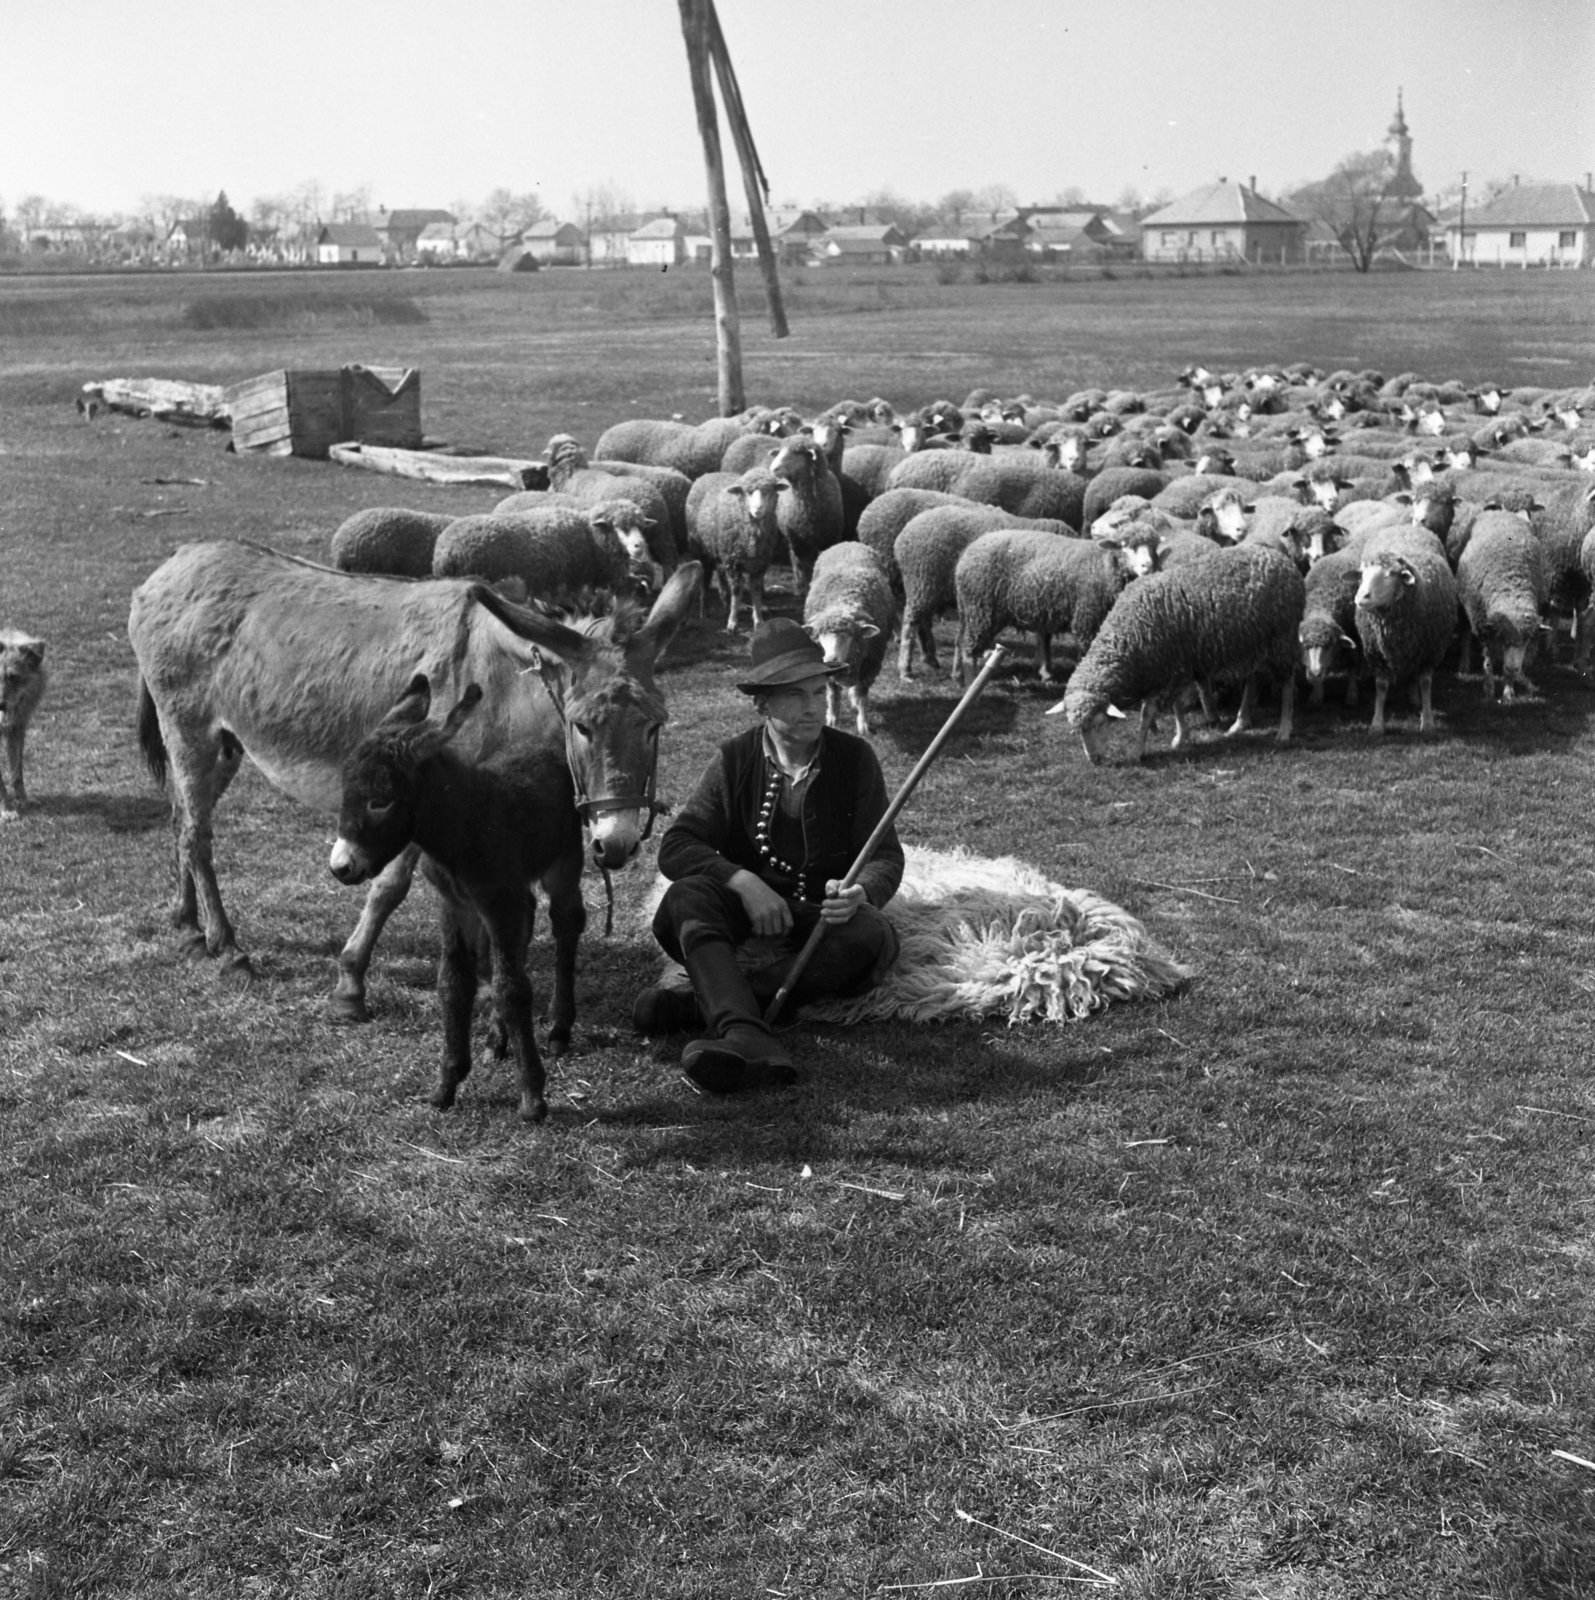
[796, 711]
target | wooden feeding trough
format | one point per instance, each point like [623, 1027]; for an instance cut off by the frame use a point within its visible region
[306, 413]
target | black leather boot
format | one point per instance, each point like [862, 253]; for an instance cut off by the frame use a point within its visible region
[663, 1009]
[738, 1051]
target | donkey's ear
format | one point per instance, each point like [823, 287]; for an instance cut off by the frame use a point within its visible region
[430, 739]
[675, 600]
[414, 704]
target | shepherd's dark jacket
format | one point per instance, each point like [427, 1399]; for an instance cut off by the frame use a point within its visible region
[713, 833]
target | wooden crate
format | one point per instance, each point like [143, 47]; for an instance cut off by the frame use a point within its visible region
[303, 413]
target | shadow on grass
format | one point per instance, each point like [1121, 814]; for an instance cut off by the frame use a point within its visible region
[121, 813]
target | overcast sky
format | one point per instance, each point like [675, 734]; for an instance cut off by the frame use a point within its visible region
[425, 103]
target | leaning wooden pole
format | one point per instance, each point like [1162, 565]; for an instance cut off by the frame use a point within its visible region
[728, 329]
[754, 183]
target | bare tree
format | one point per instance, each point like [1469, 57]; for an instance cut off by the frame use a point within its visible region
[996, 197]
[1353, 203]
[955, 205]
[32, 209]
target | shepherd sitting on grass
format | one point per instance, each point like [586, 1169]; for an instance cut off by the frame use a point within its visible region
[775, 824]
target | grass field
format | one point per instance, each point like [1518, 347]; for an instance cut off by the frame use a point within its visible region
[1281, 1290]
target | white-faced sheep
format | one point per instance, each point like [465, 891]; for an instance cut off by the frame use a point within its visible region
[1044, 584]
[1183, 496]
[849, 612]
[1112, 482]
[1327, 635]
[1406, 614]
[660, 493]
[811, 516]
[554, 550]
[927, 553]
[732, 530]
[1504, 585]
[389, 539]
[1232, 615]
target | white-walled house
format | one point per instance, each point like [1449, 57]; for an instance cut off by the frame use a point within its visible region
[660, 243]
[1531, 224]
[1222, 221]
[348, 244]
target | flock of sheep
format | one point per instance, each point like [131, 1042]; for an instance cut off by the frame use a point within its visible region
[1228, 530]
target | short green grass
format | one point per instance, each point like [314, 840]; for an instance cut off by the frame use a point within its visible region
[1279, 1289]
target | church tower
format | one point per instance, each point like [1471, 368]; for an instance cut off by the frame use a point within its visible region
[1403, 185]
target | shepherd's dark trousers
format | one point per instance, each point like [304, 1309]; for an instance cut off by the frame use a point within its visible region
[851, 958]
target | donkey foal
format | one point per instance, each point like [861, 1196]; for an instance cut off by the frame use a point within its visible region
[489, 832]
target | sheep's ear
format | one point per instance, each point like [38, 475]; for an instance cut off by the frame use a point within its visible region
[740, 490]
[1116, 714]
[867, 630]
[1347, 640]
[783, 485]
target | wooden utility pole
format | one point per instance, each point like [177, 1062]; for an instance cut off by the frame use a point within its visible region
[728, 327]
[754, 183]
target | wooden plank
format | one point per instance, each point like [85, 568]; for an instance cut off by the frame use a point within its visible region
[429, 467]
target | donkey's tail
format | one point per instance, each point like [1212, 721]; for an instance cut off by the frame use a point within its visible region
[150, 741]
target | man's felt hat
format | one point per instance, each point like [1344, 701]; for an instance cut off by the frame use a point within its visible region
[782, 653]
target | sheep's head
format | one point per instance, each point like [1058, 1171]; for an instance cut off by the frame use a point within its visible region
[1223, 516]
[1385, 582]
[564, 455]
[842, 635]
[1321, 641]
[1215, 461]
[798, 458]
[759, 491]
[626, 520]
[1317, 534]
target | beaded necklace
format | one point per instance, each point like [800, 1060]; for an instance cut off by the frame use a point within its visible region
[761, 834]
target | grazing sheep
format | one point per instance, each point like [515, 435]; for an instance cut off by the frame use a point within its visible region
[886, 516]
[1018, 578]
[1111, 482]
[811, 516]
[1406, 615]
[1231, 615]
[1504, 585]
[388, 539]
[659, 492]
[732, 529]
[22, 683]
[849, 613]
[658, 443]
[1566, 515]
[554, 550]
[927, 553]
[489, 832]
[1026, 488]
[1183, 496]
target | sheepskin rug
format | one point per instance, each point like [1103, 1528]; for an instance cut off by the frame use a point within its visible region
[985, 938]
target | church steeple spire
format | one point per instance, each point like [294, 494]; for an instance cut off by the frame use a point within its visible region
[1403, 185]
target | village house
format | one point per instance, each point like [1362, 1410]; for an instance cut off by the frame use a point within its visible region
[399, 232]
[348, 244]
[1222, 221]
[660, 243]
[552, 243]
[1532, 224]
[866, 244]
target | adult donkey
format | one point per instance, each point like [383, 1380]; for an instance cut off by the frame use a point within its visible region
[245, 651]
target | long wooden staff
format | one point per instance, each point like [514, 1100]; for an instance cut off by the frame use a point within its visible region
[873, 843]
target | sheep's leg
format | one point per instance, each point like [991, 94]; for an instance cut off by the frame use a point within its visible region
[833, 702]
[1287, 707]
[1147, 723]
[1179, 727]
[1489, 674]
[1584, 632]
[1243, 718]
[860, 698]
[1204, 692]
[1426, 716]
[14, 738]
[457, 979]
[347, 1002]
[1044, 651]
[510, 928]
[927, 642]
[567, 919]
[961, 656]
[1381, 691]
[1465, 654]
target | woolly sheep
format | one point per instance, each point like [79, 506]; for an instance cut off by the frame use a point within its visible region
[660, 493]
[553, 550]
[1113, 481]
[1019, 578]
[732, 530]
[1503, 583]
[886, 516]
[811, 516]
[693, 450]
[849, 612]
[1406, 615]
[1231, 615]
[388, 539]
[871, 465]
[927, 553]
[1326, 633]
[1184, 495]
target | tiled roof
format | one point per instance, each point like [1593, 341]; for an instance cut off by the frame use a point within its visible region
[1536, 205]
[1218, 204]
[350, 235]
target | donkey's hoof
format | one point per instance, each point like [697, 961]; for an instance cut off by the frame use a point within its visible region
[237, 971]
[534, 1108]
[442, 1097]
[193, 946]
[349, 1009]
[557, 1046]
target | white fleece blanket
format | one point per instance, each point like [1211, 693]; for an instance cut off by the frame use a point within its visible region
[984, 938]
